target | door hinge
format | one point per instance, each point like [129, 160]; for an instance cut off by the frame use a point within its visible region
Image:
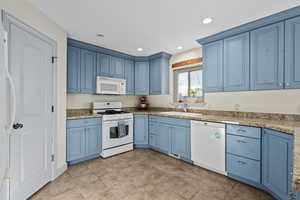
[52, 108]
[52, 158]
[53, 59]
[7, 174]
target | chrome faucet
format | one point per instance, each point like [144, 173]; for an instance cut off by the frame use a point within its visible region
[185, 107]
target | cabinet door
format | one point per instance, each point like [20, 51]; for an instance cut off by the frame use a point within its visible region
[155, 76]
[92, 139]
[292, 52]
[73, 84]
[141, 78]
[163, 138]
[129, 76]
[213, 67]
[141, 129]
[88, 72]
[277, 162]
[236, 63]
[117, 67]
[103, 65]
[267, 57]
[75, 143]
[181, 142]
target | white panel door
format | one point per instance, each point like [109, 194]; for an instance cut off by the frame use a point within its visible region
[4, 138]
[30, 147]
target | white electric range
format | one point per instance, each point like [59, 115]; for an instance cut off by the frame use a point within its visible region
[117, 128]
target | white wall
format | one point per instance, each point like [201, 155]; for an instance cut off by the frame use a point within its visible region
[33, 17]
[76, 101]
[276, 101]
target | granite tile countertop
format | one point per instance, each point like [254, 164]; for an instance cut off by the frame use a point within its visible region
[287, 126]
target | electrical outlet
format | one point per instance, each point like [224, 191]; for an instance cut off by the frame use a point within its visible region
[298, 108]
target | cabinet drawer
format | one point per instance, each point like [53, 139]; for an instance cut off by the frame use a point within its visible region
[243, 167]
[170, 120]
[73, 123]
[243, 146]
[246, 131]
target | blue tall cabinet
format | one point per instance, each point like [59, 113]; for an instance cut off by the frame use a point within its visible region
[73, 71]
[159, 73]
[141, 76]
[292, 52]
[87, 71]
[129, 76]
[213, 67]
[267, 57]
[237, 63]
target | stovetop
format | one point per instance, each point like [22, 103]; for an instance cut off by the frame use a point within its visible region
[112, 112]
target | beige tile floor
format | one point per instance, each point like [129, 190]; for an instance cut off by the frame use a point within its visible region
[144, 175]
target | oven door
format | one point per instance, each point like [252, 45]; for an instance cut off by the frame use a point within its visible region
[111, 137]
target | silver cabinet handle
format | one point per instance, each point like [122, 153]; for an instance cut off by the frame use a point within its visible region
[241, 162]
[241, 141]
[280, 84]
[241, 130]
[287, 84]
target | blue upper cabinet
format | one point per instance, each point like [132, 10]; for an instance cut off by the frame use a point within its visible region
[267, 57]
[159, 73]
[141, 130]
[88, 72]
[117, 67]
[213, 67]
[292, 52]
[141, 77]
[129, 76]
[73, 83]
[236, 63]
[277, 163]
[103, 65]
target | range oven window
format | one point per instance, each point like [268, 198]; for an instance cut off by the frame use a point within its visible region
[114, 132]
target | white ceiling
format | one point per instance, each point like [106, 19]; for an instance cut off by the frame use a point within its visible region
[154, 25]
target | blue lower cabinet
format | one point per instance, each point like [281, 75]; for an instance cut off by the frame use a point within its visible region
[277, 163]
[141, 130]
[92, 140]
[181, 142]
[163, 138]
[75, 143]
[83, 139]
[245, 168]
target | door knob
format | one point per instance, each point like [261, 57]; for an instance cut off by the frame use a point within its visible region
[18, 126]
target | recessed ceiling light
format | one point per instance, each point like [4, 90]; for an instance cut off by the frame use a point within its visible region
[207, 20]
[100, 35]
[179, 47]
[140, 49]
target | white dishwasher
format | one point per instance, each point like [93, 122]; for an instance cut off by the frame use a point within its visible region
[208, 145]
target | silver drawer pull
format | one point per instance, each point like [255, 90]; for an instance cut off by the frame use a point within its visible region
[241, 141]
[241, 162]
[241, 130]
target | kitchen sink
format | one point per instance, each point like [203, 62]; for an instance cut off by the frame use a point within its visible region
[182, 113]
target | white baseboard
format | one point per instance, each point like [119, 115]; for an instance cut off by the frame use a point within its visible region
[59, 171]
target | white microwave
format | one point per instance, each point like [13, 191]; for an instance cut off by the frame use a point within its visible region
[110, 86]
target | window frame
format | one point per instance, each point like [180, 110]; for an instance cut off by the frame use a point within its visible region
[176, 72]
